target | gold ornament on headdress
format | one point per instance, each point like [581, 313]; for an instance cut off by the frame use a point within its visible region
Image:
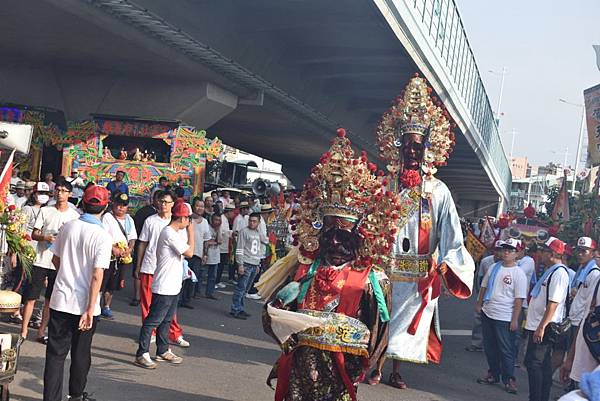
[415, 112]
[343, 186]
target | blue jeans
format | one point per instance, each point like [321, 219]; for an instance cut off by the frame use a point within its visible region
[498, 345]
[162, 310]
[208, 273]
[245, 282]
[538, 361]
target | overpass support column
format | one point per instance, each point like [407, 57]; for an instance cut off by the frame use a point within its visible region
[213, 104]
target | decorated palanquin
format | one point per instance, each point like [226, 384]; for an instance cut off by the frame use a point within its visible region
[530, 230]
[188, 149]
[328, 299]
[177, 152]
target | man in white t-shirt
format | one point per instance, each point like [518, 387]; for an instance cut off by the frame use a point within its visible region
[146, 262]
[527, 265]
[81, 253]
[224, 262]
[48, 223]
[212, 251]
[484, 265]
[579, 359]
[170, 249]
[121, 228]
[581, 286]
[239, 222]
[78, 185]
[547, 305]
[198, 260]
[502, 292]
[20, 197]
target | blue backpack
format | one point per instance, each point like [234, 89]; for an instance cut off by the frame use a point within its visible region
[591, 327]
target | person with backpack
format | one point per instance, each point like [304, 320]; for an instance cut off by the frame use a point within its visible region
[580, 359]
[546, 313]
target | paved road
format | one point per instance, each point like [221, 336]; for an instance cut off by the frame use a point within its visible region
[229, 360]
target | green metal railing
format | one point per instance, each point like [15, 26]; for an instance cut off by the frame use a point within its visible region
[440, 18]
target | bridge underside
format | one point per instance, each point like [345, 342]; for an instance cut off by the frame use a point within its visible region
[338, 63]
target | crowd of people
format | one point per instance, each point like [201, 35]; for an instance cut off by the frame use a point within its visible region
[366, 260]
[174, 249]
[532, 305]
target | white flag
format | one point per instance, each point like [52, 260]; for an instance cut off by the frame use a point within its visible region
[597, 48]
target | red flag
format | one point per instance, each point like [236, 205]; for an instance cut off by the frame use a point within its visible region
[561, 205]
[5, 178]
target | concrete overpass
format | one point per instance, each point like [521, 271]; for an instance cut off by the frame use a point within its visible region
[271, 77]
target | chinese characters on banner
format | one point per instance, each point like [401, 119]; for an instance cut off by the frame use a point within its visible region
[592, 112]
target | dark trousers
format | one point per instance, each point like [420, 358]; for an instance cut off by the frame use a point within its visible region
[189, 289]
[498, 345]
[162, 310]
[225, 264]
[538, 361]
[64, 336]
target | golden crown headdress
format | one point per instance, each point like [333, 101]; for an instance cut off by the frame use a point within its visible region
[344, 186]
[416, 112]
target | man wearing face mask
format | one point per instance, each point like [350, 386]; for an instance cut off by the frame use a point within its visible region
[414, 138]
[337, 287]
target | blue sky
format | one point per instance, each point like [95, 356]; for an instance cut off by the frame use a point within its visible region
[546, 46]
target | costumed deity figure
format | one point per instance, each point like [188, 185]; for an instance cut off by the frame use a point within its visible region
[123, 154]
[331, 319]
[414, 138]
[106, 154]
[137, 155]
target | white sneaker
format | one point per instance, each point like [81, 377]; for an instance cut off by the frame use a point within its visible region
[182, 343]
[145, 362]
[256, 297]
[153, 338]
[220, 285]
[169, 357]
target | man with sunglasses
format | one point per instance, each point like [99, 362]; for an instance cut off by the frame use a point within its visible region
[547, 305]
[49, 221]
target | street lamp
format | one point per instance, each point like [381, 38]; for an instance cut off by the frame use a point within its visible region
[579, 141]
[501, 74]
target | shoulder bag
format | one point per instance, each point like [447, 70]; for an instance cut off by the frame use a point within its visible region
[556, 331]
[591, 327]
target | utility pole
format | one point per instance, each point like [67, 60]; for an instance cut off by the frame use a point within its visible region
[502, 75]
[512, 143]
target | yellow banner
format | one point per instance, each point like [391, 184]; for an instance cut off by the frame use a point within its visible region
[592, 112]
[474, 246]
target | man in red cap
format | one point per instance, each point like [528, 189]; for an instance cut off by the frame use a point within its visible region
[582, 291]
[171, 248]
[82, 250]
[547, 305]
